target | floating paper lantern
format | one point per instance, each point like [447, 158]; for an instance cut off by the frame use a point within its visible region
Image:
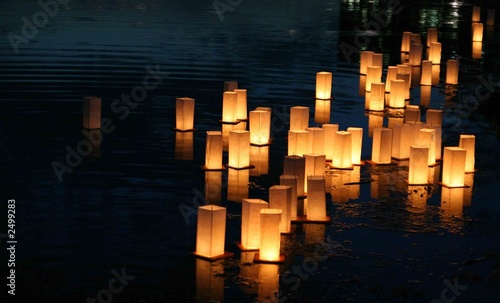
[184, 145]
[226, 128]
[477, 32]
[427, 138]
[239, 149]
[241, 103]
[406, 42]
[260, 127]
[184, 114]
[415, 132]
[397, 94]
[230, 86]
[237, 184]
[454, 166]
[435, 53]
[229, 105]
[296, 165]
[259, 159]
[418, 165]
[211, 231]
[392, 72]
[432, 35]
[373, 75]
[426, 78]
[436, 70]
[250, 223]
[291, 180]
[406, 78]
[366, 59]
[416, 54]
[476, 13]
[280, 197]
[434, 117]
[322, 111]
[401, 141]
[329, 131]
[377, 60]
[299, 117]
[468, 143]
[374, 121]
[209, 286]
[490, 21]
[415, 38]
[382, 145]
[412, 114]
[298, 142]
[362, 85]
[405, 69]
[316, 199]
[213, 150]
[213, 187]
[316, 144]
[477, 50]
[270, 235]
[315, 165]
[323, 85]
[91, 112]
[357, 142]
[425, 95]
[377, 97]
[342, 154]
[452, 71]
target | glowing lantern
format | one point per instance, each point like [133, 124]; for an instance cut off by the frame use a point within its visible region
[435, 53]
[91, 112]
[406, 78]
[425, 95]
[427, 138]
[382, 144]
[477, 50]
[315, 165]
[362, 85]
[415, 132]
[342, 154]
[377, 97]
[322, 111]
[213, 151]
[476, 13]
[239, 149]
[298, 142]
[366, 59]
[270, 236]
[373, 75]
[229, 103]
[426, 78]
[329, 131]
[377, 60]
[291, 180]
[436, 70]
[415, 38]
[452, 71]
[490, 21]
[230, 86]
[434, 117]
[357, 142]
[299, 117]
[416, 54]
[392, 72]
[241, 103]
[259, 159]
[477, 32]
[211, 231]
[280, 197]
[454, 166]
[397, 94]
[209, 287]
[401, 141]
[316, 199]
[296, 165]
[260, 127]
[468, 143]
[418, 168]
[323, 85]
[432, 35]
[213, 187]
[184, 114]
[184, 145]
[316, 144]
[405, 43]
[412, 114]
[405, 69]
[250, 223]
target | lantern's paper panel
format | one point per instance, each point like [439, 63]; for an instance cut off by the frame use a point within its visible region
[213, 150]
[315, 165]
[452, 71]
[366, 59]
[392, 72]
[412, 114]
[407, 80]
[438, 139]
[435, 53]
[298, 142]
[434, 117]
[342, 154]
[415, 132]
[477, 32]
[416, 51]
[91, 112]
[432, 35]
[316, 144]
[229, 105]
[397, 94]
[468, 143]
[184, 113]
[357, 142]
[239, 148]
[373, 75]
[211, 231]
[250, 222]
[270, 235]
[418, 167]
[316, 198]
[427, 138]
[454, 166]
[299, 117]
[323, 85]
[378, 60]
[377, 97]
[426, 78]
[241, 103]
[382, 145]
[296, 165]
[401, 141]
[477, 50]
[280, 197]
[329, 131]
[291, 180]
[406, 42]
[260, 127]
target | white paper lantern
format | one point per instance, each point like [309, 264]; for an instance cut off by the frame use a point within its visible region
[316, 199]
[250, 223]
[427, 138]
[406, 42]
[213, 150]
[382, 145]
[342, 155]
[392, 72]
[241, 103]
[211, 231]
[280, 197]
[291, 180]
[412, 114]
[477, 32]
[426, 78]
[432, 35]
[401, 141]
[329, 131]
[397, 94]
[323, 85]
[373, 75]
[377, 97]
[299, 117]
[452, 71]
[468, 143]
[434, 117]
[418, 165]
[270, 235]
[454, 166]
[316, 143]
[357, 142]
[298, 142]
[239, 149]
[366, 59]
[260, 127]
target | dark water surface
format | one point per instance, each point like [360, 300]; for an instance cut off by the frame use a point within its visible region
[122, 206]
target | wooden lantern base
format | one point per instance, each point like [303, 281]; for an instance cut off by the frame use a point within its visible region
[448, 186]
[380, 164]
[243, 248]
[239, 168]
[204, 168]
[257, 259]
[183, 130]
[214, 258]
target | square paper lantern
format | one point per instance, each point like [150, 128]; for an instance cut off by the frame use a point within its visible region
[432, 35]
[490, 21]
[357, 142]
[229, 103]
[184, 113]
[468, 143]
[412, 114]
[435, 53]
[250, 222]
[315, 166]
[91, 112]
[377, 60]
[296, 165]
[415, 132]
[477, 50]
[373, 75]
[406, 42]
[260, 127]
[316, 199]
[259, 159]
[366, 59]
[322, 111]
[382, 145]
[397, 94]
[299, 117]
[230, 86]
[329, 131]
[342, 154]
[323, 85]
[454, 166]
[280, 197]
[476, 13]
[418, 168]
[427, 138]
[401, 141]
[298, 142]
[270, 235]
[434, 117]
[436, 71]
[316, 144]
[241, 103]
[291, 180]
[406, 78]
[211, 231]
[239, 149]
[392, 72]
[237, 184]
[377, 97]
[452, 71]
[405, 69]
[213, 150]
[416, 54]
[426, 78]
[477, 32]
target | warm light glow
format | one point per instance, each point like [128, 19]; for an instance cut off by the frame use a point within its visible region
[230, 86]
[250, 222]
[322, 111]
[454, 166]
[406, 78]
[259, 158]
[91, 112]
[373, 75]
[241, 103]
[427, 138]
[268, 285]
[298, 142]
[377, 60]
[211, 231]
[415, 132]
[184, 145]
[377, 97]
[357, 142]
[418, 168]
[213, 151]
[415, 39]
[405, 43]
[209, 286]
[329, 131]
[452, 71]
[416, 54]
[452, 201]
[426, 78]
[476, 13]
[397, 94]
[468, 142]
[435, 53]
[316, 198]
[270, 236]
[392, 72]
[280, 197]
[291, 180]
[366, 59]
[382, 145]
[434, 117]
[323, 85]
[316, 144]
[412, 114]
[432, 35]
[260, 127]
[229, 103]
[237, 184]
[296, 165]
[239, 149]
[477, 32]
[299, 117]
[490, 21]
[315, 165]
[436, 70]
[401, 141]
[477, 50]
[184, 113]
[342, 154]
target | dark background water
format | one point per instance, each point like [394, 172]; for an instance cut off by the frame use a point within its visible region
[120, 207]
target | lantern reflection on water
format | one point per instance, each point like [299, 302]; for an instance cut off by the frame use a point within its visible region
[91, 112]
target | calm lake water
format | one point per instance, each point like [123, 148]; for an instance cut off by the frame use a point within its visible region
[129, 206]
